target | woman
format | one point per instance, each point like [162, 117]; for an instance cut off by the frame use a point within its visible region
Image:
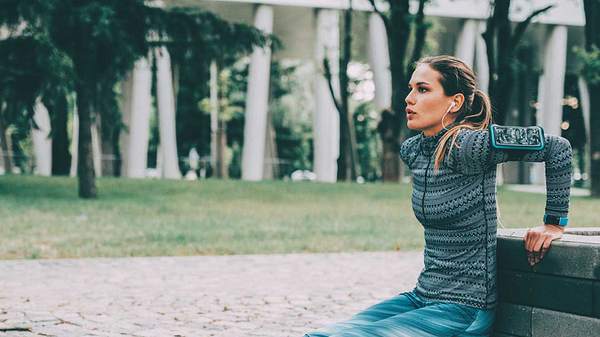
[453, 163]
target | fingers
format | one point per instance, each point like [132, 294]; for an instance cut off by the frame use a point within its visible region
[530, 239]
[546, 246]
[537, 244]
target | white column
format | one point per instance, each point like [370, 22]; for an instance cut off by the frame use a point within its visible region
[214, 113]
[96, 149]
[74, 143]
[584, 96]
[379, 60]
[482, 69]
[257, 101]
[326, 119]
[551, 88]
[166, 114]
[585, 105]
[136, 116]
[465, 45]
[42, 143]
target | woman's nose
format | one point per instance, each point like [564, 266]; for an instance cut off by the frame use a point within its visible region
[410, 98]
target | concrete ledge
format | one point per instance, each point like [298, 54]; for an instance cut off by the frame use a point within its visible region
[525, 321]
[564, 294]
[558, 297]
[513, 319]
[549, 323]
[574, 255]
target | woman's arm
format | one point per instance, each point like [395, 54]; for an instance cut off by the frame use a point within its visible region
[475, 155]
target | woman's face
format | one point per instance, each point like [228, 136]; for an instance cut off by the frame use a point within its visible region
[427, 103]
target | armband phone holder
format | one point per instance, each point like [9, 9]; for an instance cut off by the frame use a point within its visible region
[516, 137]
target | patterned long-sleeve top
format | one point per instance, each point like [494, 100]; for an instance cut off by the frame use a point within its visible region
[457, 207]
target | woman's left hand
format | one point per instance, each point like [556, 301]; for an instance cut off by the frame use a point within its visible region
[538, 240]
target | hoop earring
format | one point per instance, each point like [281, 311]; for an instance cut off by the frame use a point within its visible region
[444, 117]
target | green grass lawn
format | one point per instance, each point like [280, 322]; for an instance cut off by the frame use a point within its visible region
[44, 218]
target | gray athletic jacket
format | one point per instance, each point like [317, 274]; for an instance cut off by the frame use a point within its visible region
[457, 208]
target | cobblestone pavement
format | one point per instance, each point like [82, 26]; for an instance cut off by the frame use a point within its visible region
[233, 296]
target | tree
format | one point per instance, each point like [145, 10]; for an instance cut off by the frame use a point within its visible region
[103, 39]
[30, 67]
[399, 24]
[501, 43]
[347, 163]
[591, 71]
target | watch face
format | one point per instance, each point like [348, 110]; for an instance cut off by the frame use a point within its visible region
[517, 136]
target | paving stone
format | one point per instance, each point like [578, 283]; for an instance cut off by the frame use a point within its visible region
[221, 296]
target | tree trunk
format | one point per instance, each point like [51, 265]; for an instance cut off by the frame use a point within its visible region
[595, 138]
[393, 128]
[347, 161]
[221, 140]
[6, 151]
[61, 158]
[85, 163]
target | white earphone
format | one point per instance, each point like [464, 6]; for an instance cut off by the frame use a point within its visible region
[452, 104]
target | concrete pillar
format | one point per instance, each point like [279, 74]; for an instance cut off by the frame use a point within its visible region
[74, 143]
[465, 45]
[137, 98]
[585, 105]
[42, 143]
[257, 101]
[326, 120]
[585, 108]
[482, 69]
[96, 147]
[165, 98]
[551, 87]
[214, 114]
[379, 60]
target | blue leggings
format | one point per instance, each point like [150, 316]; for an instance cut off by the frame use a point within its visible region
[407, 315]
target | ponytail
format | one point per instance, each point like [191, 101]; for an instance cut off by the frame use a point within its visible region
[475, 116]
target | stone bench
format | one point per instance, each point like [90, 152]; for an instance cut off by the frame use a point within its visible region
[560, 296]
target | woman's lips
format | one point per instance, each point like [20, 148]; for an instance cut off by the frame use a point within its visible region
[410, 114]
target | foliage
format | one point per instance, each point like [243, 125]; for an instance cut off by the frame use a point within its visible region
[502, 42]
[365, 119]
[591, 64]
[400, 24]
[104, 38]
[292, 132]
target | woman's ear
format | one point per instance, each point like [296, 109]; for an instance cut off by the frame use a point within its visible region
[457, 103]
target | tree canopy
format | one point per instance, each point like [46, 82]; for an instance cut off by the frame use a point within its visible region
[101, 40]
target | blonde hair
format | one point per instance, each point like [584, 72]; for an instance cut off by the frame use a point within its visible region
[476, 111]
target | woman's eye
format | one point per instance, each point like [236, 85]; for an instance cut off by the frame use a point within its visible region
[422, 90]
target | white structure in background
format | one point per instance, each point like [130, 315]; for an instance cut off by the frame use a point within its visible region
[42, 143]
[96, 147]
[326, 118]
[310, 37]
[166, 114]
[193, 161]
[136, 106]
[379, 60]
[257, 103]
[551, 88]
